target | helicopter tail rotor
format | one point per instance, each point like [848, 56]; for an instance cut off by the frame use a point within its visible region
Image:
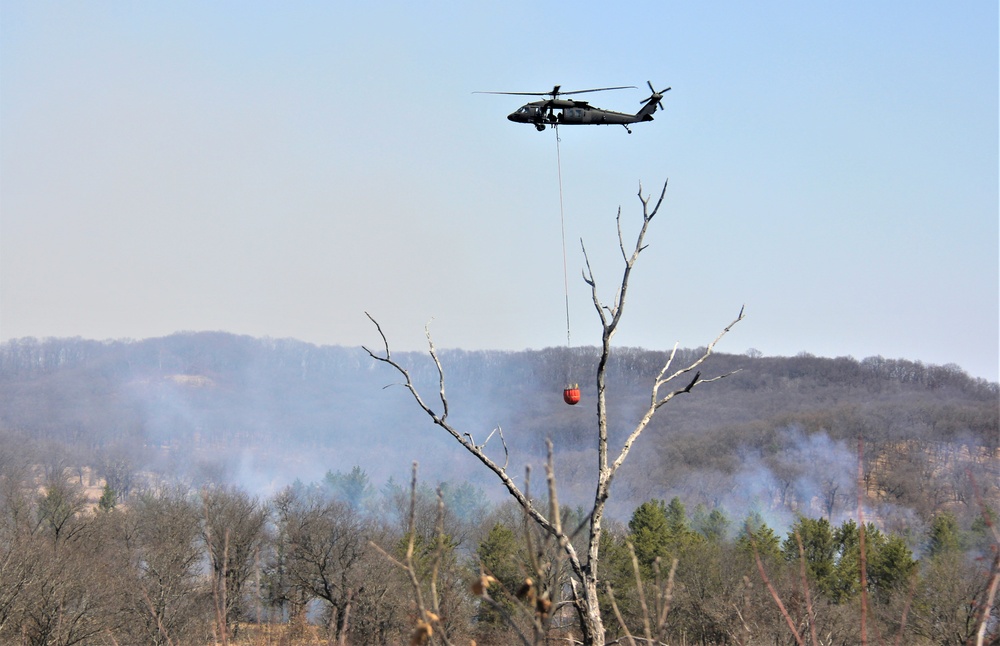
[655, 96]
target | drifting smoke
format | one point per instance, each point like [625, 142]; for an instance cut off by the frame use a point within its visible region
[264, 414]
[268, 421]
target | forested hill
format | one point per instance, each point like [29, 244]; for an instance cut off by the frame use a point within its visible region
[780, 433]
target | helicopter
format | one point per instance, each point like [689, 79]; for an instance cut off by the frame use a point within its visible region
[555, 111]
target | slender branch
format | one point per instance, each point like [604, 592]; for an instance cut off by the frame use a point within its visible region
[618, 614]
[411, 531]
[991, 590]
[528, 540]
[618, 225]
[501, 472]
[906, 609]
[499, 609]
[988, 603]
[440, 370]
[666, 597]
[805, 588]
[588, 277]
[438, 555]
[774, 593]
[506, 454]
[425, 618]
[156, 616]
[656, 402]
[647, 628]
[224, 627]
[861, 546]
[550, 478]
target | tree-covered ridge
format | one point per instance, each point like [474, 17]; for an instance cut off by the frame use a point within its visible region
[204, 406]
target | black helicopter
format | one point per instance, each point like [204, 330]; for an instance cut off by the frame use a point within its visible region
[557, 112]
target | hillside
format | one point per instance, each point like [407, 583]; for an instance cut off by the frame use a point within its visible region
[779, 435]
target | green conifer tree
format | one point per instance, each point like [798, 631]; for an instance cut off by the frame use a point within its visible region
[649, 532]
[109, 499]
[756, 533]
[501, 556]
[944, 535]
[820, 550]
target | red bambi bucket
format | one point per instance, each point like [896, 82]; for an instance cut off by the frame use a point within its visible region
[572, 395]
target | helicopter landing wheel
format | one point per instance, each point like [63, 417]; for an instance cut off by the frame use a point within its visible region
[539, 127]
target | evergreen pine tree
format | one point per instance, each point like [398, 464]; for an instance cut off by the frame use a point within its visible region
[109, 499]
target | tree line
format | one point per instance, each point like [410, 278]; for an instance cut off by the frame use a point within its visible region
[338, 560]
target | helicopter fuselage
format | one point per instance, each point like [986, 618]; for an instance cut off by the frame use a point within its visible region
[555, 111]
[567, 112]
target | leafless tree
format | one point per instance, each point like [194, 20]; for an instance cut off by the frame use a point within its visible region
[585, 581]
[324, 542]
[64, 567]
[19, 561]
[233, 531]
[59, 506]
[380, 612]
[119, 473]
[68, 600]
[161, 534]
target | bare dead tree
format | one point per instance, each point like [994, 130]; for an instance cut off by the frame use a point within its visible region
[583, 566]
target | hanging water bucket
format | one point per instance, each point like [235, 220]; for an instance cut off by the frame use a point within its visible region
[571, 395]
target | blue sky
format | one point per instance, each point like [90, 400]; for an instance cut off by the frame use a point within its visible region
[278, 170]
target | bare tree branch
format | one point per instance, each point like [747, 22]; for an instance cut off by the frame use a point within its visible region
[805, 589]
[618, 614]
[647, 627]
[994, 584]
[664, 597]
[501, 472]
[656, 401]
[774, 593]
[584, 584]
[426, 619]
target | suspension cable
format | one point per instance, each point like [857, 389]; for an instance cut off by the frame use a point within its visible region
[562, 222]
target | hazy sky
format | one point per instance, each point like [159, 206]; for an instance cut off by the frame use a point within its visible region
[277, 169]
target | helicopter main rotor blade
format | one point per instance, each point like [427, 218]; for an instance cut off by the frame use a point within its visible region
[602, 89]
[517, 93]
[557, 92]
